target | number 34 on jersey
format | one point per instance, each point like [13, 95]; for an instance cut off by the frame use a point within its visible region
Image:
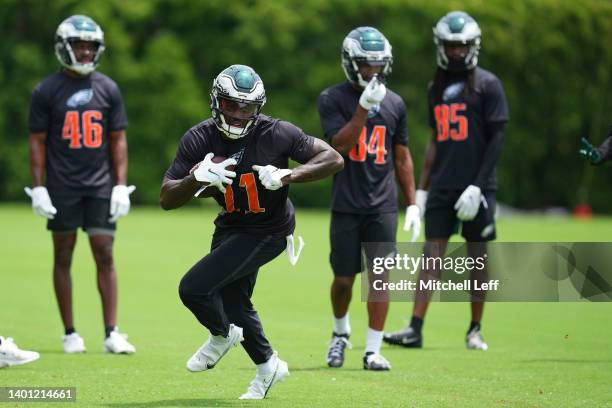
[375, 145]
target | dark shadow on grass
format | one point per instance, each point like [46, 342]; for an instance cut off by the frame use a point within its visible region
[193, 402]
[567, 360]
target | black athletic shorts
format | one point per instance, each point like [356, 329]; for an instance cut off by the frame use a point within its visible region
[349, 231]
[441, 217]
[76, 209]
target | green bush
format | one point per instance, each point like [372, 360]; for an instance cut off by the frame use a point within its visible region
[551, 56]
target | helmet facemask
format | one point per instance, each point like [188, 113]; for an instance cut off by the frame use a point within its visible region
[237, 98]
[457, 28]
[73, 30]
[365, 45]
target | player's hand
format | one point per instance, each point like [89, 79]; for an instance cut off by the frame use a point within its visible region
[120, 202]
[271, 177]
[413, 221]
[373, 94]
[589, 151]
[215, 174]
[421, 200]
[41, 202]
[468, 204]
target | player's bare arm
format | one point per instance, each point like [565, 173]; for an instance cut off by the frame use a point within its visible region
[430, 155]
[404, 172]
[37, 157]
[347, 137]
[325, 162]
[175, 193]
[119, 155]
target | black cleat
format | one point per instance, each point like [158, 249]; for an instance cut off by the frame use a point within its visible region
[405, 338]
[335, 353]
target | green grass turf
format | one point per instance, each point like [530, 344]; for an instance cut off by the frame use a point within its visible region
[541, 354]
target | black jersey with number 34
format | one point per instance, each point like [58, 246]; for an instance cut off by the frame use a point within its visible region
[367, 183]
[78, 114]
[461, 125]
[247, 205]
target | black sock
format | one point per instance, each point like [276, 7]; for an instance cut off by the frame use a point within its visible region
[108, 330]
[417, 324]
[69, 331]
[474, 325]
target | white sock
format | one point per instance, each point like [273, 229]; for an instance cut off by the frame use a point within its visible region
[268, 366]
[342, 325]
[373, 341]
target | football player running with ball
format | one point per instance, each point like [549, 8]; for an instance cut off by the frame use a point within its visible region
[468, 115]
[77, 138]
[366, 123]
[250, 181]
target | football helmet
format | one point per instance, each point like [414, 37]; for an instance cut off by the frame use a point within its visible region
[236, 100]
[365, 44]
[78, 28]
[457, 27]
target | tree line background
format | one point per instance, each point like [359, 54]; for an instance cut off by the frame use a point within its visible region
[553, 56]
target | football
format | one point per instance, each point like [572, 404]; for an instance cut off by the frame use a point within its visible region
[211, 191]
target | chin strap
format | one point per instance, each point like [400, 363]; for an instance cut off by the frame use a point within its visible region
[292, 254]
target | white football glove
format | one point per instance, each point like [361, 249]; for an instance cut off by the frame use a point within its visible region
[120, 202]
[271, 177]
[468, 204]
[215, 173]
[373, 94]
[421, 200]
[413, 221]
[41, 202]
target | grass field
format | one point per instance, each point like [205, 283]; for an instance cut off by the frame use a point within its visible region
[541, 354]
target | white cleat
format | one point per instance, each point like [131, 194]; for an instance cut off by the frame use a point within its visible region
[117, 343]
[262, 383]
[73, 343]
[214, 349]
[474, 340]
[375, 362]
[11, 355]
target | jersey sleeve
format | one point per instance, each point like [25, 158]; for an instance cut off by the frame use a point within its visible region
[118, 117]
[401, 131]
[330, 115]
[188, 154]
[297, 144]
[495, 104]
[40, 111]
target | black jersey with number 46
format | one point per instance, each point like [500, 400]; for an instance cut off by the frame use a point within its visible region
[367, 183]
[78, 114]
[461, 125]
[247, 205]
